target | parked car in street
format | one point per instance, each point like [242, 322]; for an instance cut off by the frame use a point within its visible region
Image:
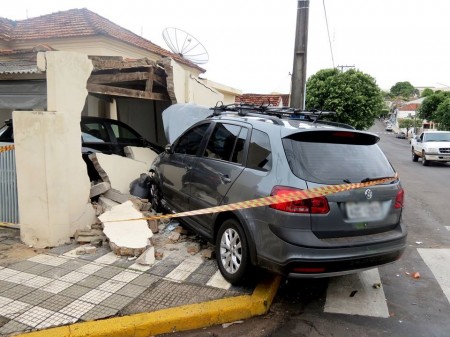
[240, 153]
[401, 135]
[388, 127]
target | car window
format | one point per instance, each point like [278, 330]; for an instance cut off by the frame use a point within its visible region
[94, 133]
[334, 158]
[259, 152]
[6, 134]
[189, 143]
[226, 143]
[124, 134]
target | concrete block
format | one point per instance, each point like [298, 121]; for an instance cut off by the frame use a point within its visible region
[117, 170]
[106, 203]
[174, 236]
[99, 189]
[142, 154]
[147, 258]
[193, 248]
[118, 196]
[126, 237]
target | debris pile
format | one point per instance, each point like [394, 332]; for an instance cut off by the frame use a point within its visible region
[121, 205]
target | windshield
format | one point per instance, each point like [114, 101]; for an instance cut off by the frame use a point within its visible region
[437, 137]
[336, 162]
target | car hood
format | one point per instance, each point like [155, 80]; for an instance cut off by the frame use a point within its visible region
[179, 117]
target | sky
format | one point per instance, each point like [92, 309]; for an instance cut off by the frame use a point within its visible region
[251, 42]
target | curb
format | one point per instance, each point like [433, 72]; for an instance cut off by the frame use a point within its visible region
[187, 317]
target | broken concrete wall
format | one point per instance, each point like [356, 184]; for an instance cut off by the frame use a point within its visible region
[142, 154]
[189, 89]
[118, 171]
[52, 181]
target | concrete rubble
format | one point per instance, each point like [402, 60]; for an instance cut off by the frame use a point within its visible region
[115, 202]
[126, 238]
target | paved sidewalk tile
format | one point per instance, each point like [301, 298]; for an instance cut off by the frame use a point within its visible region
[60, 287]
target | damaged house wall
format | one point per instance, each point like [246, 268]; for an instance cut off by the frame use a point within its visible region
[53, 185]
[189, 89]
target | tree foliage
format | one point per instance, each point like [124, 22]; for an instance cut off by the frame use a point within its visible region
[430, 105]
[427, 92]
[403, 89]
[408, 123]
[353, 95]
[442, 115]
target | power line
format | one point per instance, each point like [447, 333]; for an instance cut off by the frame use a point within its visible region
[328, 30]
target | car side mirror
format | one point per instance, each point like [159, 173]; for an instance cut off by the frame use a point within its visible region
[168, 149]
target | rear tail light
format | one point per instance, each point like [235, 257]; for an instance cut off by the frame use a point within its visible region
[318, 205]
[400, 198]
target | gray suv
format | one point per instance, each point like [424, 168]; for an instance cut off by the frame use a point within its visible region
[241, 153]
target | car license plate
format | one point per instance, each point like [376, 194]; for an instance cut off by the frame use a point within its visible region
[363, 210]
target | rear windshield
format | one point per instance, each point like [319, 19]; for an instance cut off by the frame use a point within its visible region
[336, 157]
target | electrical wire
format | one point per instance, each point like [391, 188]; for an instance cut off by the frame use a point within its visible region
[328, 30]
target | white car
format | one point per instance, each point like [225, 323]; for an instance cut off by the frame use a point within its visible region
[388, 127]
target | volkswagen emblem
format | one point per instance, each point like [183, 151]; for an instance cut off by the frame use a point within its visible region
[368, 194]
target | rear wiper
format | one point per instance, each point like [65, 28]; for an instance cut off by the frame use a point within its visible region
[366, 180]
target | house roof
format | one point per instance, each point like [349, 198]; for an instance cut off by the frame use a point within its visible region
[263, 99]
[409, 107]
[79, 23]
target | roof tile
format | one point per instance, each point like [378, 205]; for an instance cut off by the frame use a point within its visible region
[78, 23]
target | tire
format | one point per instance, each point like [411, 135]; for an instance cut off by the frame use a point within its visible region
[155, 195]
[424, 161]
[232, 252]
[415, 157]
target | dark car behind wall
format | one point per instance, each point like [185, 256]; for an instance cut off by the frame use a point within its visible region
[98, 134]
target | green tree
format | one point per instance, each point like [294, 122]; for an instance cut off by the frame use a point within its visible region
[403, 89]
[430, 104]
[353, 95]
[427, 92]
[442, 115]
[408, 123]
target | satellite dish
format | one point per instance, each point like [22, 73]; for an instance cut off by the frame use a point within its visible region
[185, 45]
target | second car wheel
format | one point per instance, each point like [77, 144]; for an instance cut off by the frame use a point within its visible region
[232, 251]
[425, 162]
[415, 157]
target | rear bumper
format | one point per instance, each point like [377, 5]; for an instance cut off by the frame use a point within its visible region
[315, 268]
[292, 260]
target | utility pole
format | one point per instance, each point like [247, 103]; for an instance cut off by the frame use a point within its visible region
[298, 84]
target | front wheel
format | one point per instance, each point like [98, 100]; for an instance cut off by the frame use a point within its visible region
[155, 193]
[425, 162]
[232, 251]
[415, 157]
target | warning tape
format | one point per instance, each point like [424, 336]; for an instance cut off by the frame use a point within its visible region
[6, 148]
[265, 201]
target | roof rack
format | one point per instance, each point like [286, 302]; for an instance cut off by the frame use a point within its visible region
[275, 114]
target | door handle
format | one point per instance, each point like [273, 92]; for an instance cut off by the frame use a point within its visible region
[225, 179]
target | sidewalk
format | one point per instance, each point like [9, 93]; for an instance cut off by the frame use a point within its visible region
[58, 287]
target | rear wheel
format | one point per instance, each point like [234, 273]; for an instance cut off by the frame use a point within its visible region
[425, 162]
[232, 251]
[415, 157]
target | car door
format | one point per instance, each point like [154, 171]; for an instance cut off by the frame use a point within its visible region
[217, 168]
[175, 167]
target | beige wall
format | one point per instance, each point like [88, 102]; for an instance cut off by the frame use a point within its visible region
[52, 181]
[189, 89]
